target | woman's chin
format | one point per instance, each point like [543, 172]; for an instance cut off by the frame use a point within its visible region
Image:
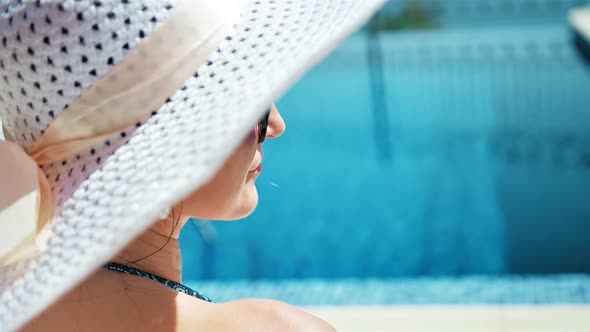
[246, 204]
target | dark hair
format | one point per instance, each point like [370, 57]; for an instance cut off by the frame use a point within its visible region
[175, 224]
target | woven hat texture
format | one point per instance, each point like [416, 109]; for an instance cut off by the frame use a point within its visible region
[52, 51]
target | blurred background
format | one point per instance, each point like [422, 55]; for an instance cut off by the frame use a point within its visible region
[440, 154]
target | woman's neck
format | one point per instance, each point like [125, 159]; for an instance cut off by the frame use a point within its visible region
[156, 251]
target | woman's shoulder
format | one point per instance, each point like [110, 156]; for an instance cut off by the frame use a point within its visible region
[130, 303]
[111, 302]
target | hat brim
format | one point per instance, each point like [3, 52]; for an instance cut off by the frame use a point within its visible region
[182, 146]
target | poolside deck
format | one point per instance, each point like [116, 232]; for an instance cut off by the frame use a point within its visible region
[456, 318]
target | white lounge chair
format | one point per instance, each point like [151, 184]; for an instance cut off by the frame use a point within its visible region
[580, 22]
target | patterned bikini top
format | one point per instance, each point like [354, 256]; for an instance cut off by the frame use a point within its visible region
[172, 284]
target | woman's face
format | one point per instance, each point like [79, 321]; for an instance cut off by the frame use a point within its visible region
[231, 194]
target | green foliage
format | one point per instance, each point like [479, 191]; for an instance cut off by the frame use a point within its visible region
[414, 16]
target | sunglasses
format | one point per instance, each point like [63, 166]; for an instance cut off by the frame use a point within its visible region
[262, 127]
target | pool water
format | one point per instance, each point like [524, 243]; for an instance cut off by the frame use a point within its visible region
[475, 160]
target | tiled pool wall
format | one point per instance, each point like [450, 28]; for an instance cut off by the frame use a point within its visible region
[515, 290]
[477, 163]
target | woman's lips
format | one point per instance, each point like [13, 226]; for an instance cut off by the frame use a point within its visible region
[257, 169]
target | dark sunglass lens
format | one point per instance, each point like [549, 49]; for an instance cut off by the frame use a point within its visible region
[262, 126]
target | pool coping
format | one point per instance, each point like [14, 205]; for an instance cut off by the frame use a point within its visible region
[472, 318]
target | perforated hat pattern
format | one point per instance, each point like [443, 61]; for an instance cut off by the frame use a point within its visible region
[51, 51]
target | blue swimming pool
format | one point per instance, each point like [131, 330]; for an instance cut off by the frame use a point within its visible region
[476, 162]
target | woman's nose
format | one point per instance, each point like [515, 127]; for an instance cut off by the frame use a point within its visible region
[276, 124]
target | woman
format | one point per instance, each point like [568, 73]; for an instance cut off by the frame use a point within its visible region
[123, 120]
[134, 303]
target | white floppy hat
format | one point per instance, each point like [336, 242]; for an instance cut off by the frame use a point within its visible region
[117, 109]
